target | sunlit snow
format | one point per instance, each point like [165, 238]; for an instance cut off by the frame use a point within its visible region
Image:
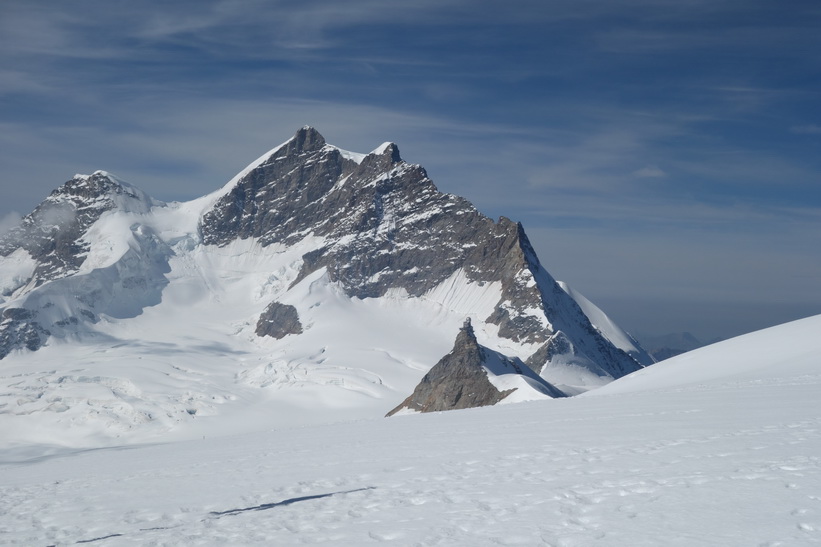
[718, 447]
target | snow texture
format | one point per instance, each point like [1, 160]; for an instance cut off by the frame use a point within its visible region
[718, 447]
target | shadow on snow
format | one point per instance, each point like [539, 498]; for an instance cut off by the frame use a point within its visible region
[289, 501]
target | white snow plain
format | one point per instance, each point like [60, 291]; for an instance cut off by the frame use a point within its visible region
[720, 446]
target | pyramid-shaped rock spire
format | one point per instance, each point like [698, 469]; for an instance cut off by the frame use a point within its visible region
[462, 379]
[457, 381]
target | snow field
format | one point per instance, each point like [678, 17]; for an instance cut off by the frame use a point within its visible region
[790, 352]
[696, 466]
[717, 447]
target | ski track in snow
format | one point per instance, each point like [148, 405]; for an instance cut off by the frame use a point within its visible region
[736, 466]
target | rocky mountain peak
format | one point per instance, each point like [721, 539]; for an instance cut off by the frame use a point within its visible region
[52, 233]
[383, 159]
[457, 381]
[380, 223]
[102, 191]
[307, 139]
[466, 336]
[389, 150]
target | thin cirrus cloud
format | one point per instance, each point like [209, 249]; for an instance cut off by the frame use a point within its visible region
[809, 129]
[650, 172]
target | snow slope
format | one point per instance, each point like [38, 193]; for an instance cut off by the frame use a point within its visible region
[607, 327]
[790, 351]
[721, 448]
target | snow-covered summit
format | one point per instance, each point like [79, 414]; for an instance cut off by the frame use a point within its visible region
[125, 196]
[53, 234]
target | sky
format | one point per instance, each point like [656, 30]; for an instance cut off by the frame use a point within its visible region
[664, 157]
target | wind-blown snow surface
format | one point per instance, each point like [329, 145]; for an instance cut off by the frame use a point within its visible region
[718, 447]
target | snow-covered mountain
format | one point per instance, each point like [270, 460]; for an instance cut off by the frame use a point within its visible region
[318, 284]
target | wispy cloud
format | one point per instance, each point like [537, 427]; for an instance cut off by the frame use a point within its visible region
[809, 129]
[650, 172]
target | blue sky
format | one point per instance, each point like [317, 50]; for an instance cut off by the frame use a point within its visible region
[664, 157]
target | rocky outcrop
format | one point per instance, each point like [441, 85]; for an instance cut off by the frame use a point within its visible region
[457, 381]
[20, 329]
[460, 379]
[278, 320]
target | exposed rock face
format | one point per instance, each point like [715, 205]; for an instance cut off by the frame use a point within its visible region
[278, 320]
[460, 379]
[19, 329]
[384, 222]
[457, 381]
[384, 225]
